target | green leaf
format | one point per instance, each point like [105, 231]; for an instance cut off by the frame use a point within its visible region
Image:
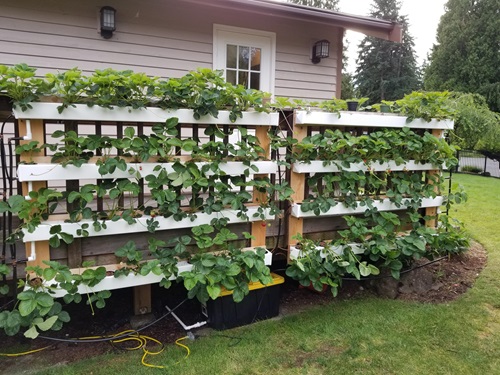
[54, 241]
[233, 270]
[11, 322]
[66, 237]
[249, 262]
[31, 333]
[26, 307]
[189, 282]
[238, 294]
[64, 317]
[208, 262]
[364, 270]
[49, 273]
[48, 323]
[373, 270]
[16, 203]
[129, 132]
[44, 299]
[229, 283]
[213, 291]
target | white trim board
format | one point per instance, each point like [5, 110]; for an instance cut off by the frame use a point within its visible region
[81, 112]
[296, 253]
[381, 205]
[57, 172]
[379, 120]
[318, 166]
[42, 232]
[131, 280]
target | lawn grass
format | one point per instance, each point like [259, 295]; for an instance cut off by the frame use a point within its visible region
[358, 336]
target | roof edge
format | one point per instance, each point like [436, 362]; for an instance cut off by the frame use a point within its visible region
[376, 27]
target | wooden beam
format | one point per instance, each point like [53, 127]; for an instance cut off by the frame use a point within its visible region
[297, 183]
[142, 299]
[259, 227]
[433, 211]
[74, 249]
[298, 180]
[42, 248]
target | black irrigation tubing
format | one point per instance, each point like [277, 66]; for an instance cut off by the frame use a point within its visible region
[8, 191]
[112, 338]
[13, 250]
[385, 276]
[402, 272]
[7, 304]
[6, 182]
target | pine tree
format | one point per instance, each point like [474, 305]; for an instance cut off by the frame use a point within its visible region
[466, 57]
[325, 4]
[387, 70]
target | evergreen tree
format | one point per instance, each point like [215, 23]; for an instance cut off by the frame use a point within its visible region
[348, 90]
[387, 70]
[466, 57]
[325, 4]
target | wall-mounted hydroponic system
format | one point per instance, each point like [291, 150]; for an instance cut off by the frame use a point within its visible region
[116, 197]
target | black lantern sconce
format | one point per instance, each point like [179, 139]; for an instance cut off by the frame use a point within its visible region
[108, 24]
[321, 50]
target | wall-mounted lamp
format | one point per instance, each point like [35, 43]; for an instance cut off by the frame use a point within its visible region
[321, 50]
[108, 24]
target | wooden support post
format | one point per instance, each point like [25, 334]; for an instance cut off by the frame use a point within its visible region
[259, 228]
[433, 211]
[142, 299]
[74, 249]
[42, 248]
[297, 183]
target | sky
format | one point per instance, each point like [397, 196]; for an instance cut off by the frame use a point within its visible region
[423, 16]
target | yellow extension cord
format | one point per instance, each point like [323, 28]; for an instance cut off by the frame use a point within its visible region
[24, 353]
[142, 342]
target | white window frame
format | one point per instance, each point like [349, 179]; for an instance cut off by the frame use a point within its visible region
[224, 35]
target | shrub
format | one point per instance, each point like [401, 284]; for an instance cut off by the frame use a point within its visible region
[471, 169]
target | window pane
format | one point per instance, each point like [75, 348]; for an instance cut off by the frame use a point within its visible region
[231, 56]
[255, 81]
[243, 79]
[255, 64]
[231, 76]
[243, 58]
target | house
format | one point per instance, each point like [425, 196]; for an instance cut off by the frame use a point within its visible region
[168, 38]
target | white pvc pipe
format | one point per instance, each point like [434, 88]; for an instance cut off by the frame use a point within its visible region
[186, 328]
[28, 135]
[32, 257]
[30, 189]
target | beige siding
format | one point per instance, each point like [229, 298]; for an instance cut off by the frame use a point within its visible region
[48, 39]
[164, 38]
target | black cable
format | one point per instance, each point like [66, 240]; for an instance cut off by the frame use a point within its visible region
[106, 339]
[254, 319]
[282, 204]
[237, 339]
[401, 273]
[13, 250]
[6, 182]
[7, 304]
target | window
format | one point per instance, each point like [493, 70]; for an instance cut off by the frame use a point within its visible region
[246, 56]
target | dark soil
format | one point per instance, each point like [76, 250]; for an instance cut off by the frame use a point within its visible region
[451, 278]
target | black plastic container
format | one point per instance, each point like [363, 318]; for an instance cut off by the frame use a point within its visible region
[261, 303]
